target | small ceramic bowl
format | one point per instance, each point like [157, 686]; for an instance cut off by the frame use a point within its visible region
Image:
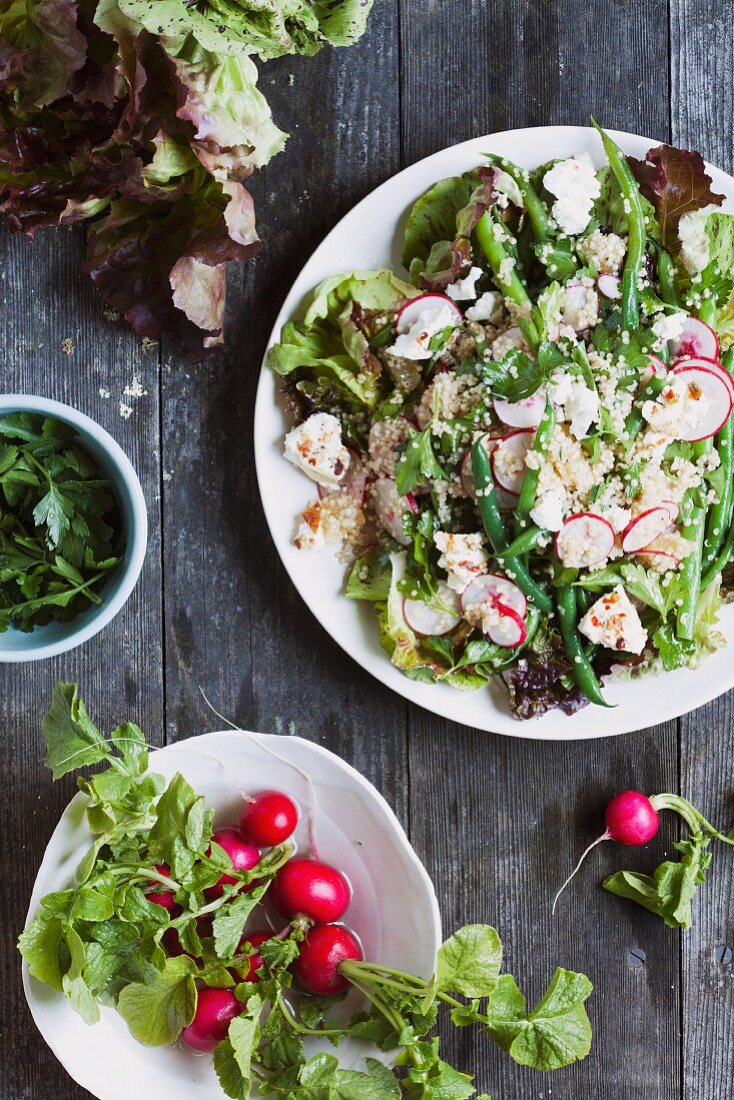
[57, 637]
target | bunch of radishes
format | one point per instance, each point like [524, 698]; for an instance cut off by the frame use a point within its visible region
[304, 890]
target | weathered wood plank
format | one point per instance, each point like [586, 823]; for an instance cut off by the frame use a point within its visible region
[702, 115]
[47, 298]
[520, 812]
[234, 624]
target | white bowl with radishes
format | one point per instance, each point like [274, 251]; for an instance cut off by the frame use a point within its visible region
[388, 905]
[366, 239]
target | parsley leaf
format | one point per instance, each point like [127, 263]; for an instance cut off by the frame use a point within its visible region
[417, 464]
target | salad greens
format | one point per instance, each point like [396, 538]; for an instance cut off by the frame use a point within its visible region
[104, 940]
[535, 431]
[147, 117]
[60, 528]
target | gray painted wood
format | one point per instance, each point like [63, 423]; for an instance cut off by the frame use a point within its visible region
[46, 299]
[702, 111]
[498, 822]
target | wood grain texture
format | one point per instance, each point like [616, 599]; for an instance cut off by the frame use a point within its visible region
[702, 111]
[47, 299]
[498, 822]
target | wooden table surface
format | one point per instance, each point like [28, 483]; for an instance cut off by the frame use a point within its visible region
[497, 821]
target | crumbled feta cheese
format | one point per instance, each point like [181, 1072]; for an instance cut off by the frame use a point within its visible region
[668, 327]
[462, 556]
[695, 244]
[414, 343]
[549, 509]
[504, 271]
[576, 187]
[613, 622]
[606, 251]
[465, 290]
[580, 307]
[486, 308]
[680, 407]
[316, 448]
[310, 533]
[574, 402]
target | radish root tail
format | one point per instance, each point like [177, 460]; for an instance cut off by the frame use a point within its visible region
[599, 839]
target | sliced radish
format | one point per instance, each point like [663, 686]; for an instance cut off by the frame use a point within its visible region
[660, 560]
[657, 366]
[384, 436]
[585, 539]
[508, 459]
[527, 413]
[706, 364]
[609, 286]
[672, 507]
[702, 381]
[390, 508]
[645, 528]
[433, 618]
[507, 629]
[494, 588]
[697, 339]
[425, 303]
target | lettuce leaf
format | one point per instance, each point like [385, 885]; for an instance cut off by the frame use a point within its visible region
[269, 28]
[396, 637]
[148, 115]
[329, 345]
[675, 181]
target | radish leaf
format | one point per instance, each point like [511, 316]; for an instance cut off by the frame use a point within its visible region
[157, 1012]
[469, 962]
[669, 892]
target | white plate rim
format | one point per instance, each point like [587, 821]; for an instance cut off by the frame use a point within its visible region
[685, 689]
[85, 1074]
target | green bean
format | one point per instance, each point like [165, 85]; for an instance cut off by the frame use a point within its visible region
[522, 544]
[506, 277]
[690, 571]
[707, 311]
[667, 279]
[541, 443]
[534, 205]
[720, 514]
[720, 562]
[495, 528]
[583, 673]
[636, 233]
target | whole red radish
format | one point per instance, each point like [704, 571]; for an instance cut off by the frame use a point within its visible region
[630, 818]
[309, 888]
[319, 957]
[215, 1008]
[161, 895]
[268, 819]
[244, 857]
[250, 971]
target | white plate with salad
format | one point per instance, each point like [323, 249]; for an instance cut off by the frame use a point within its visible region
[494, 434]
[266, 841]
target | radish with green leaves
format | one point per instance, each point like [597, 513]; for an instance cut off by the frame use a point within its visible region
[632, 818]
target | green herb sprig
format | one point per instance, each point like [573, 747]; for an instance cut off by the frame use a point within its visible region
[60, 529]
